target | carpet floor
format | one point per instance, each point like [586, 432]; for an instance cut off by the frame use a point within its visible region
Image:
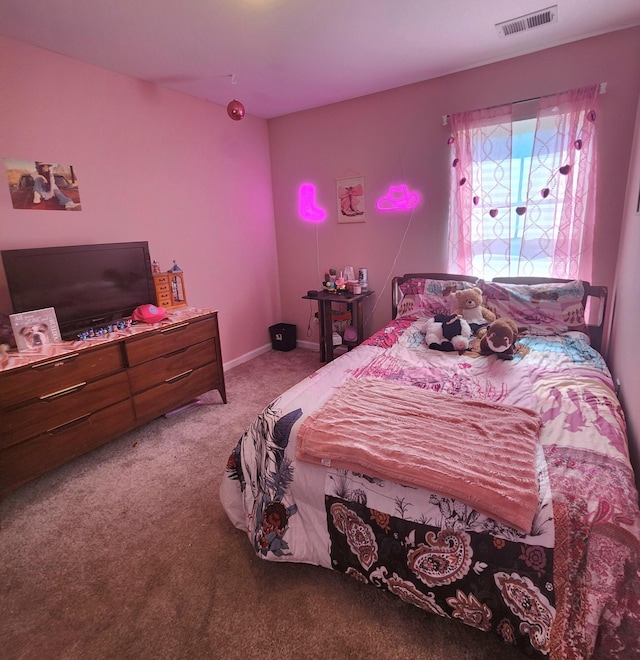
[126, 553]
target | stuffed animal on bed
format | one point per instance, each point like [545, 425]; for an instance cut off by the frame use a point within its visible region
[470, 307]
[447, 332]
[499, 338]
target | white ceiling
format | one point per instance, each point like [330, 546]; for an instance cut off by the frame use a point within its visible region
[291, 55]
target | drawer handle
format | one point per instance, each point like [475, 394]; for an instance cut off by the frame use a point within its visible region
[58, 362]
[66, 425]
[173, 379]
[175, 327]
[64, 392]
[170, 355]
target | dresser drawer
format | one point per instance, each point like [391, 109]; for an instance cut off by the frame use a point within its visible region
[169, 340]
[59, 408]
[56, 374]
[170, 395]
[170, 367]
[25, 461]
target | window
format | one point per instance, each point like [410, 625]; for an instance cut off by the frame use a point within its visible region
[523, 189]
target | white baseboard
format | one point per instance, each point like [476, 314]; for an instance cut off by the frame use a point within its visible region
[311, 345]
[246, 357]
[314, 346]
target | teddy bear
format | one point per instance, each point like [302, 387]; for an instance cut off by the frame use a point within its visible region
[499, 338]
[447, 332]
[470, 307]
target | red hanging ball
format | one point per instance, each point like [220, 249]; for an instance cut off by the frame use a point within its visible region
[545, 192]
[235, 110]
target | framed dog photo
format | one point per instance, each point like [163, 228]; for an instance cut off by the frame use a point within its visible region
[35, 329]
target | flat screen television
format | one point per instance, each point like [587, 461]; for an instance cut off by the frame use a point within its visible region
[87, 285]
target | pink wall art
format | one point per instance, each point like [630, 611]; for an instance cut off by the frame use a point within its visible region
[307, 207]
[350, 197]
[398, 198]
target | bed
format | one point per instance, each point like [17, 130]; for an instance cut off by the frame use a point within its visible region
[496, 492]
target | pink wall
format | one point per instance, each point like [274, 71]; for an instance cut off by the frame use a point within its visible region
[398, 136]
[624, 357]
[152, 165]
[164, 167]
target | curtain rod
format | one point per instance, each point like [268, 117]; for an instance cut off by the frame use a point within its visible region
[602, 89]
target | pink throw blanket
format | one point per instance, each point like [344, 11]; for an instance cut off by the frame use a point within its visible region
[479, 452]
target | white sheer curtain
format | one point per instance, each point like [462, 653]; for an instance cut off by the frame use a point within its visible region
[523, 191]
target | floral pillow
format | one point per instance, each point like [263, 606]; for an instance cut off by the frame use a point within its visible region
[428, 297]
[544, 309]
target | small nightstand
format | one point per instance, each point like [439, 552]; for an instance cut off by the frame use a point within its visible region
[325, 318]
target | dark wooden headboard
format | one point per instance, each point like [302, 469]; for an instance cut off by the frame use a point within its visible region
[594, 301]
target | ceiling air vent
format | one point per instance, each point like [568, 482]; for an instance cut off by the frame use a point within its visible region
[528, 21]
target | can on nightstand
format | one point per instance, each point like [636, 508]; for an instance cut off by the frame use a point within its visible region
[363, 278]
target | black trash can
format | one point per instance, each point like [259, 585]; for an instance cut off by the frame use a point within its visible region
[283, 336]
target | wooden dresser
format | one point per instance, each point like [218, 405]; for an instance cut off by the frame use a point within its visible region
[63, 400]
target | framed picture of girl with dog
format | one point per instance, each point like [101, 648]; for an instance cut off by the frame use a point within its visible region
[36, 329]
